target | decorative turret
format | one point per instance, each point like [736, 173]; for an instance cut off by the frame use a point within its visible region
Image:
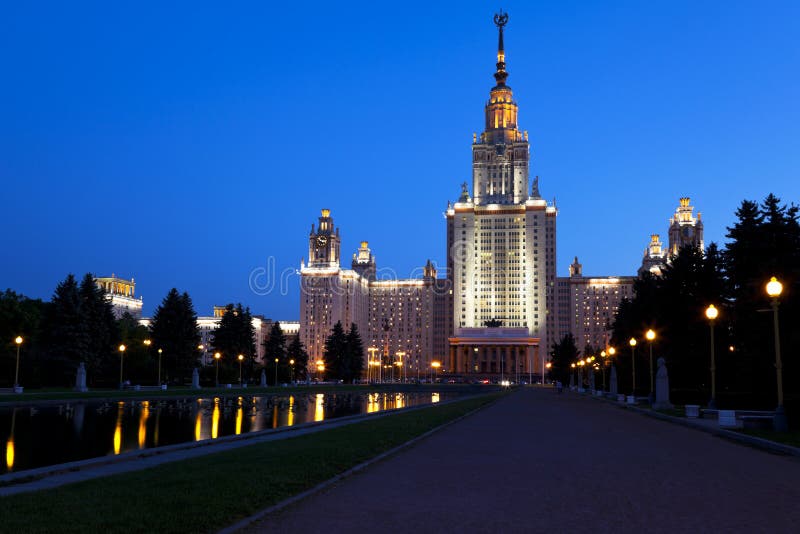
[323, 244]
[364, 261]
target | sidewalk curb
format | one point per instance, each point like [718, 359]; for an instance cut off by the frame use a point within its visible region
[743, 439]
[353, 470]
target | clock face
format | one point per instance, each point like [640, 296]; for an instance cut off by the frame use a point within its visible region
[322, 240]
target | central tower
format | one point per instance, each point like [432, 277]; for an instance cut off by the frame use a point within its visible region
[501, 247]
[500, 157]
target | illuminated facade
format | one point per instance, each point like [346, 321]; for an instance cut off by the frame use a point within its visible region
[501, 246]
[395, 317]
[684, 229]
[587, 306]
[121, 294]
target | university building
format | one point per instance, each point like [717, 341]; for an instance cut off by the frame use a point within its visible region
[490, 313]
[400, 320]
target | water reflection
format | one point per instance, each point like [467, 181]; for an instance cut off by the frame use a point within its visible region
[319, 408]
[83, 430]
[215, 419]
[145, 413]
[10, 443]
[118, 428]
[239, 417]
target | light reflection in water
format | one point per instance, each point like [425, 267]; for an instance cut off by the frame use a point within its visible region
[275, 416]
[319, 408]
[198, 425]
[143, 423]
[434, 398]
[290, 415]
[215, 419]
[372, 402]
[239, 417]
[399, 400]
[118, 428]
[10, 443]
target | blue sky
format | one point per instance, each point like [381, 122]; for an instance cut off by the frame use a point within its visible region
[185, 143]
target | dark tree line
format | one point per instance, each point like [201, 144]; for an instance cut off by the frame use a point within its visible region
[275, 348]
[344, 354]
[763, 242]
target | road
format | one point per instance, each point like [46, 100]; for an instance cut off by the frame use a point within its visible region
[537, 461]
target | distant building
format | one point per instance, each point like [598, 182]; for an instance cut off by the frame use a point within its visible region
[587, 306]
[684, 229]
[121, 294]
[207, 325]
[395, 317]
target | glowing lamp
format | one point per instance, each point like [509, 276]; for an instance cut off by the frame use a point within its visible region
[711, 312]
[774, 288]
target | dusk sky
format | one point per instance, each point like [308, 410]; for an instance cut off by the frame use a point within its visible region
[186, 143]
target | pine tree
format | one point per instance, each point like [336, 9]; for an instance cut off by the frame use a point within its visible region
[174, 330]
[297, 352]
[563, 355]
[101, 328]
[354, 359]
[335, 353]
[64, 333]
[275, 348]
[235, 335]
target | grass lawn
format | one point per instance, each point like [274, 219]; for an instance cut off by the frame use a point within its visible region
[207, 493]
[787, 438]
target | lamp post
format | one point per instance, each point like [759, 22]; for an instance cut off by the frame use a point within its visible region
[160, 351]
[572, 366]
[291, 362]
[276, 371]
[651, 335]
[241, 359]
[18, 341]
[121, 354]
[603, 356]
[217, 356]
[401, 365]
[774, 290]
[712, 313]
[632, 343]
[434, 370]
[371, 351]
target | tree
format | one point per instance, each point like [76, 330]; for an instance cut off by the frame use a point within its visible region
[140, 361]
[19, 316]
[298, 353]
[335, 353]
[64, 333]
[235, 335]
[275, 348]
[355, 355]
[174, 329]
[101, 329]
[563, 355]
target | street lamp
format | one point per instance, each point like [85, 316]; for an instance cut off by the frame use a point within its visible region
[774, 290]
[632, 343]
[401, 365]
[651, 335]
[276, 371]
[241, 359]
[372, 358]
[18, 341]
[435, 370]
[217, 356]
[711, 314]
[291, 362]
[160, 351]
[121, 354]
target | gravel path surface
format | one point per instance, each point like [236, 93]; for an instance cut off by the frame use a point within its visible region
[537, 461]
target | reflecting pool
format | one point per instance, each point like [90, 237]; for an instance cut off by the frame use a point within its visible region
[53, 434]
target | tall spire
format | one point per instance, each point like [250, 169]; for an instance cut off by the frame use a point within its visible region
[500, 19]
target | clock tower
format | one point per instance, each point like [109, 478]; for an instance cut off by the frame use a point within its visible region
[323, 243]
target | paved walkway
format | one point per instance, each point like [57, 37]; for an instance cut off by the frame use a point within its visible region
[538, 461]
